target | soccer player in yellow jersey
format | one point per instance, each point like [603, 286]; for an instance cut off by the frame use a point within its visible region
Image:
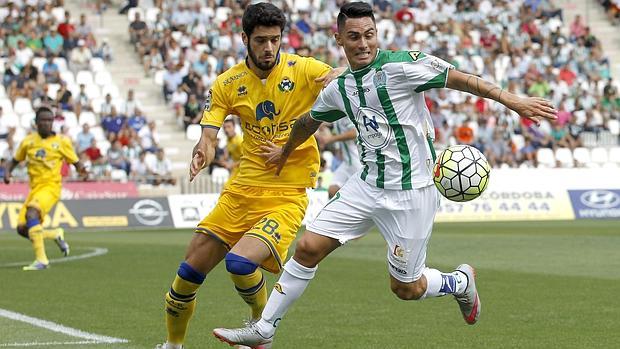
[258, 214]
[44, 151]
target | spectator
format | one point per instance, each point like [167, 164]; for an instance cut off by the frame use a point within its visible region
[162, 170]
[116, 157]
[137, 29]
[80, 57]
[136, 121]
[83, 29]
[66, 29]
[192, 111]
[129, 4]
[50, 70]
[131, 104]
[112, 124]
[94, 153]
[104, 51]
[84, 139]
[7, 127]
[149, 137]
[54, 43]
[140, 169]
[153, 61]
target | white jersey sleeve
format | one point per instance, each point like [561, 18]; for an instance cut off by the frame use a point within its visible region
[328, 106]
[426, 71]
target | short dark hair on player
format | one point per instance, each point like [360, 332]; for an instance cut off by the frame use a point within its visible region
[354, 10]
[262, 14]
[42, 110]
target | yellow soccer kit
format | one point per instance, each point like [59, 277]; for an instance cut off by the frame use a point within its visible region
[45, 157]
[257, 202]
[234, 148]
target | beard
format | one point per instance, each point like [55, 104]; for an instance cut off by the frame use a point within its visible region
[260, 65]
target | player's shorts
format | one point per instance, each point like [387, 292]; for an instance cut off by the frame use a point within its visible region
[344, 172]
[43, 198]
[404, 218]
[270, 215]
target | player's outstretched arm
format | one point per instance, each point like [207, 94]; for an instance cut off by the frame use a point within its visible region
[303, 128]
[8, 169]
[81, 169]
[533, 108]
[327, 78]
[204, 151]
[342, 137]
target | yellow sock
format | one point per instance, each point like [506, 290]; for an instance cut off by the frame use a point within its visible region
[36, 236]
[180, 305]
[251, 288]
[50, 234]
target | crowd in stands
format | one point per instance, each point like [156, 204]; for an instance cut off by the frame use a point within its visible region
[47, 59]
[612, 9]
[521, 45]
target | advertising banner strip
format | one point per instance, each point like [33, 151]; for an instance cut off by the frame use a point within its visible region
[77, 214]
[596, 203]
[76, 191]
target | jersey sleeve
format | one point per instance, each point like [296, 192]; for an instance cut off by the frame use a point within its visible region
[20, 153]
[67, 151]
[216, 107]
[425, 72]
[325, 107]
[315, 69]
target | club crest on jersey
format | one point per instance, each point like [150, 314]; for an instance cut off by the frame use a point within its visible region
[379, 79]
[414, 55]
[286, 85]
[40, 154]
[55, 146]
[291, 63]
[266, 109]
[242, 91]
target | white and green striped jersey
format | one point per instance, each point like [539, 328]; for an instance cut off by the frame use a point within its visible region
[385, 101]
[350, 155]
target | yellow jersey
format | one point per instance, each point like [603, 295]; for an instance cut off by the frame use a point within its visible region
[234, 147]
[268, 109]
[45, 157]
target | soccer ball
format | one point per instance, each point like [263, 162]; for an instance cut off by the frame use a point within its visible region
[461, 173]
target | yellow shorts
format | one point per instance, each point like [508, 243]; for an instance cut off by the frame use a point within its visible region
[43, 198]
[272, 216]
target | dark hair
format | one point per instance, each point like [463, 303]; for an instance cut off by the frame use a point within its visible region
[42, 110]
[262, 14]
[354, 10]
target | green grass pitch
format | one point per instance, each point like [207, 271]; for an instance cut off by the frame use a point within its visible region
[542, 285]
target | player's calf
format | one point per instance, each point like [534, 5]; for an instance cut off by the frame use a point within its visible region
[409, 291]
[22, 231]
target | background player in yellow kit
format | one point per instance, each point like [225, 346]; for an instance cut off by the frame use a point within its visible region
[234, 148]
[258, 214]
[45, 152]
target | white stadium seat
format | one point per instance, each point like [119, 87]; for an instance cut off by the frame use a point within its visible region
[6, 105]
[2, 91]
[11, 119]
[99, 135]
[220, 175]
[118, 175]
[52, 90]
[61, 63]
[614, 155]
[131, 14]
[39, 62]
[95, 104]
[158, 78]
[96, 64]
[151, 14]
[193, 132]
[588, 139]
[103, 78]
[599, 156]
[518, 141]
[27, 120]
[68, 77]
[565, 157]
[545, 157]
[22, 106]
[582, 156]
[3, 146]
[111, 89]
[70, 119]
[87, 117]
[103, 146]
[614, 127]
[92, 91]
[84, 77]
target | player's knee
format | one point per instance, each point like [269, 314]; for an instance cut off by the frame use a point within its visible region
[32, 214]
[22, 231]
[239, 265]
[332, 190]
[408, 291]
[307, 253]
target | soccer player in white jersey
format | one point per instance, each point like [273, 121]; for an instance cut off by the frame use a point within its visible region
[382, 93]
[345, 135]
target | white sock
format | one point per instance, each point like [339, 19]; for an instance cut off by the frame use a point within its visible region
[289, 287]
[439, 284]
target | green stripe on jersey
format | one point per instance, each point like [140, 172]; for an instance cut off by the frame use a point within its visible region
[360, 92]
[328, 116]
[438, 81]
[347, 107]
[401, 142]
[381, 169]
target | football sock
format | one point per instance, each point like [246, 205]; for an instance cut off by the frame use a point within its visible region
[35, 231]
[252, 289]
[439, 284]
[50, 234]
[289, 287]
[181, 301]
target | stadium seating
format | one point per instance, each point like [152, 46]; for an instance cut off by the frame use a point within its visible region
[193, 132]
[564, 156]
[582, 156]
[599, 156]
[614, 155]
[545, 158]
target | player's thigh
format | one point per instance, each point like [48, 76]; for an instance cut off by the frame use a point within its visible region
[348, 215]
[41, 199]
[278, 218]
[228, 220]
[343, 173]
[406, 223]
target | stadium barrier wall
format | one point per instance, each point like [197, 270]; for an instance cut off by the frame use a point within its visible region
[512, 195]
[75, 190]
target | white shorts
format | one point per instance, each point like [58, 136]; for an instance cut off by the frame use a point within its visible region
[344, 172]
[404, 218]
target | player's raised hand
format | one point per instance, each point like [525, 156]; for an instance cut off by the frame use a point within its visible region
[535, 109]
[198, 163]
[273, 155]
[327, 78]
